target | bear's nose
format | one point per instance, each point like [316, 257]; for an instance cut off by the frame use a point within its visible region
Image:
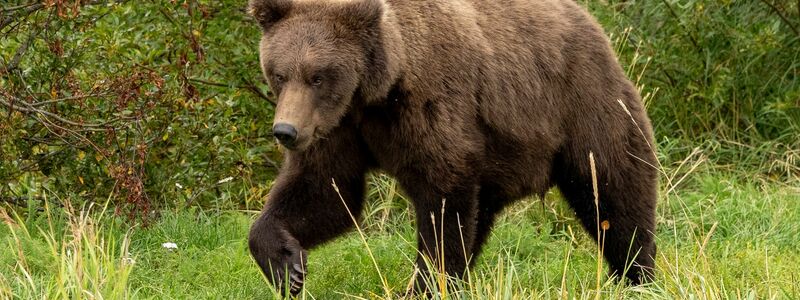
[285, 133]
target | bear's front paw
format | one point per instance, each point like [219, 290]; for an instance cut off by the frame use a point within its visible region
[288, 269]
[280, 257]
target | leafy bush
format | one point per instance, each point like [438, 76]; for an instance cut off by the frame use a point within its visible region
[158, 101]
[162, 103]
[726, 74]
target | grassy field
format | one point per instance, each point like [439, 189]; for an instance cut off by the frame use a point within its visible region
[718, 236]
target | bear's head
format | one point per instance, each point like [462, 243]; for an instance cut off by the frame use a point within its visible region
[321, 59]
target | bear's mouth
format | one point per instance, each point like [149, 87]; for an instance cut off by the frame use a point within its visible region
[303, 142]
[294, 146]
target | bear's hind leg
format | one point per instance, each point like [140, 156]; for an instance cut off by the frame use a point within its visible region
[627, 204]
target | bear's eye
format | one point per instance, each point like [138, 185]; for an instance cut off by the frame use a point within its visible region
[316, 80]
[279, 78]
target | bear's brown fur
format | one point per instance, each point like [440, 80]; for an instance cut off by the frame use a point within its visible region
[470, 104]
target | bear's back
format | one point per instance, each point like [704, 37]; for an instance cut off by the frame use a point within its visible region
[529, 66]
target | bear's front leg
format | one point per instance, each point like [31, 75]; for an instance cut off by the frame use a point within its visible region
[279, 255]
[303, 209]
[446, 226]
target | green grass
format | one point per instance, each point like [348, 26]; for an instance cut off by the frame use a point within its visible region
[719, 236]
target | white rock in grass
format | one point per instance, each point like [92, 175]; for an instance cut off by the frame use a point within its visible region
[170, 246]
[128, 261]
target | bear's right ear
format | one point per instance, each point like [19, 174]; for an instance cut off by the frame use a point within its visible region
[268, 12]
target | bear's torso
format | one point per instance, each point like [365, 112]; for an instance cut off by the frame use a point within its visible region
[480, 95]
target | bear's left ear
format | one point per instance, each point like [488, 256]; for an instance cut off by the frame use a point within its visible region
[363, 14]
[268, 12]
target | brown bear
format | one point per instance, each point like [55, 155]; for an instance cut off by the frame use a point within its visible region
[469, 104]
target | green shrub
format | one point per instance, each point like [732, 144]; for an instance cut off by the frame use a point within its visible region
[158, 101]
[161, 103]
[726, 75]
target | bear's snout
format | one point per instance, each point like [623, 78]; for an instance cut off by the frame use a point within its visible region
[285, 133]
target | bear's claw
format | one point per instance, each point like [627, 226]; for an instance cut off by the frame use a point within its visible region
[287, 265]
[295, 277]
[299, 269]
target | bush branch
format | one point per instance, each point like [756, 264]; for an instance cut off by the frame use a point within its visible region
[18, 12]
[30, 109]
[248, 86]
